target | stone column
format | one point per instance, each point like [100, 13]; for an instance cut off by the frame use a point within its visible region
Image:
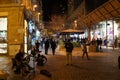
[113, 33]
[89, 36]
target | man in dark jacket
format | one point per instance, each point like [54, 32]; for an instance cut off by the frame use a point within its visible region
[19, 59]
[69, 49]
[21, 62]
[37, 44]
[46, 46]
[53, 46]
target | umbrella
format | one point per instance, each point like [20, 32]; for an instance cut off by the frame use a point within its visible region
[72, 31]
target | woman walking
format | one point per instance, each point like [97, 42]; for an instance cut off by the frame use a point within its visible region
[85, 52]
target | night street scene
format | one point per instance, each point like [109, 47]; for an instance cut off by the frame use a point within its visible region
[59, 39]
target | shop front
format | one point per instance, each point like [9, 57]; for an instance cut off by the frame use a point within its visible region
[108, 31]
[3, 35]
[33, 34]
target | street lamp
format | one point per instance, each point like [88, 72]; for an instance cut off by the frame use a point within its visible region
[34, 6]
[38, 16]
[75, 24]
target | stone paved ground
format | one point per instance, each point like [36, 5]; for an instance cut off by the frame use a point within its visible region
[101, 66]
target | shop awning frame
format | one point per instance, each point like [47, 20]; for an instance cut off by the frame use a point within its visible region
[108, 10]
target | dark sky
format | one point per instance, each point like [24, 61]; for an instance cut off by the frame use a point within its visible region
[51, 7]
[93, 4]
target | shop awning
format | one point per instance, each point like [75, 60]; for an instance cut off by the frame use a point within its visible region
[72, 31]
[109, 10]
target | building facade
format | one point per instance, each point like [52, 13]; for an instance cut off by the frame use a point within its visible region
[98, 15]
[14, 29]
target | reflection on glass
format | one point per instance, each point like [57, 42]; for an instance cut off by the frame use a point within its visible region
[3, 35]
[3, 48]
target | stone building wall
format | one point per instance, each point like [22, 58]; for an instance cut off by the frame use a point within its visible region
[15, 27]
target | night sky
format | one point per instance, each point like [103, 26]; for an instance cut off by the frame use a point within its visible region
[53, 7]
[93, 4]
[59, 7]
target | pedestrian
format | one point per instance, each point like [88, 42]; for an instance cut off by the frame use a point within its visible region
[105, 42]
[53, 46]
[19, 60]
[42, 43]
[115, 42]
[85, 51]
[69, 49]
[33, 51]
[22, 62]
[46, 46]
[37, 44]
[100, 41]
[98, 45]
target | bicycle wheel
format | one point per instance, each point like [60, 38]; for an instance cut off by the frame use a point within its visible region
[44, 59]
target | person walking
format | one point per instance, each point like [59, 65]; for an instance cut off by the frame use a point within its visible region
[37, 44]
[46, 46]
[42, 43]
[85, 52]
[69, 49]
[53, 46]
[100, 41]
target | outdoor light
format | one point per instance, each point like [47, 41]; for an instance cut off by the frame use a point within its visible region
[75, 23]
[34, 7]
[38, 15]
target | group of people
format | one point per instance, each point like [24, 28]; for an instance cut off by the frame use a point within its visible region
[48, 42]
[21, 60]
[69, 49]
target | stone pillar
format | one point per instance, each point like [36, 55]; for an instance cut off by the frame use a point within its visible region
[106, 34]
[89, 36]
[113, 33]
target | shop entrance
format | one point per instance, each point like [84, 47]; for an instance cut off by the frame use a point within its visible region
[3, 35]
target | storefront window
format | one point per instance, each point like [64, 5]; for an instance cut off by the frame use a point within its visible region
[112, 32]
[3, 35]
[105, 30]
[31, 30]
